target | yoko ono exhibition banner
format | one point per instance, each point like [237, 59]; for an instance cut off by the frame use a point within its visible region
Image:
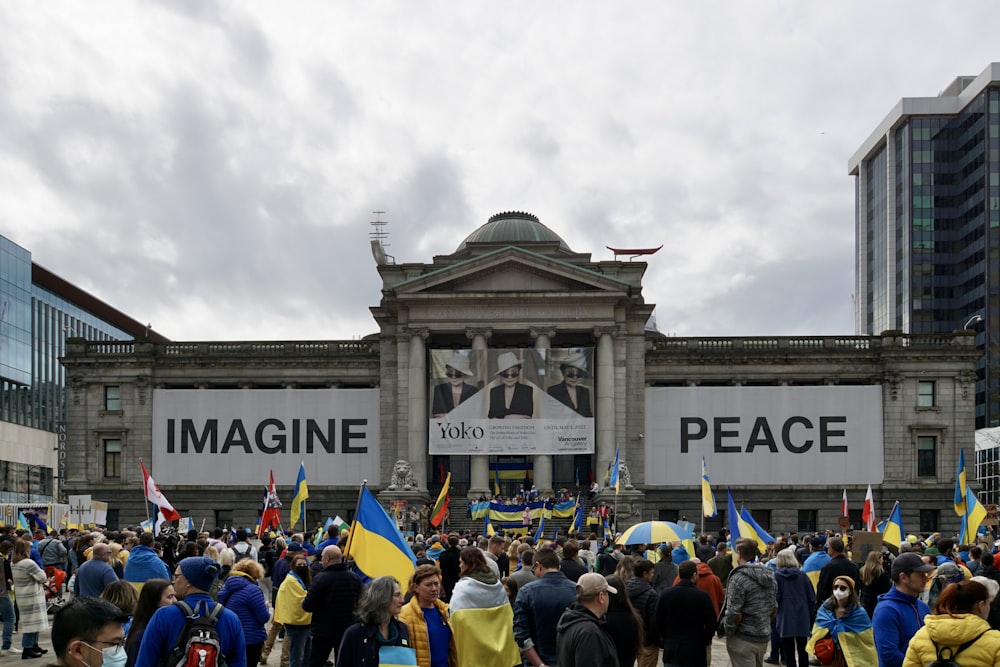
[764, 435]
[234, 436]
[511, 401]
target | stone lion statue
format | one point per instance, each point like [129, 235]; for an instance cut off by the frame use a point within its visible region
[625, 476]
[402, 477]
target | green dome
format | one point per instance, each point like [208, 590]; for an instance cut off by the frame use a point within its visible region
[513, 228]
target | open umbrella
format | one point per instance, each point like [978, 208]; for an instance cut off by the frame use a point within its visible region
[654, 532]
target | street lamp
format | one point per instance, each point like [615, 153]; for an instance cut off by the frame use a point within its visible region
[975, 318]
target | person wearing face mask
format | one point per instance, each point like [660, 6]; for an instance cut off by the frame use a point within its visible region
[193, 578]
[957, 629]
[88, 632]
[842, 618]
[289, 612]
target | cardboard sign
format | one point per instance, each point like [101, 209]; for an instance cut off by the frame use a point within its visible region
[863, 544]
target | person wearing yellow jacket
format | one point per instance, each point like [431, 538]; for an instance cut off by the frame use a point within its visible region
[957, 630]
[288, 611]
[428, 620]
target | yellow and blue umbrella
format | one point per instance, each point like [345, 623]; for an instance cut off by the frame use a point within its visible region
[654, 532]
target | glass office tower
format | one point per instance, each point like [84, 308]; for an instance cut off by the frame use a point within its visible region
[38, 312]
[927, 208]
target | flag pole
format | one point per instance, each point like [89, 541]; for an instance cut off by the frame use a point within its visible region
[701, 481]
[354, 521]
[145, 501]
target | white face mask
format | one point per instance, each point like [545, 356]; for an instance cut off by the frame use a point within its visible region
[113, 656]
[841, 594]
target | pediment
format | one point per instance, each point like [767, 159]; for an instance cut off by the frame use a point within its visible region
[511, 270]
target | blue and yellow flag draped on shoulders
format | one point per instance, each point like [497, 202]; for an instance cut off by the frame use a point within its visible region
[375, 543]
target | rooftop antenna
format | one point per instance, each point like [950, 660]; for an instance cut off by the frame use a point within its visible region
[378, 235]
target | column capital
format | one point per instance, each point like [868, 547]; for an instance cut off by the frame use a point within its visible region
[602, 331]
[414, 332]
[472, 332]
[539, 331]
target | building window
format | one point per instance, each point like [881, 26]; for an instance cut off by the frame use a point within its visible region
[807, 520]
[224, 517]
[112, 457]
[925, 394]
[113, 398]
[929, 521]
[926, 456]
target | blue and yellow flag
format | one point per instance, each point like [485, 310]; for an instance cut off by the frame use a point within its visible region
[540, 533]
[496, 481]
[577, 525]
[488, 530]
[22, 521]
[750, 529]
[397, 656]
[961, 486]
[708, 507]
[614, 480]
[607, 530]
[893, 533]
[299, 501]
[376, 545]
[973, 518]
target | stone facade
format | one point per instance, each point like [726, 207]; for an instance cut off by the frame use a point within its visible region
[517, 293]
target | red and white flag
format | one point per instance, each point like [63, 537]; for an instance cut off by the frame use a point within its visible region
[270, 516]
[155, 496]
[843, 505]
[868, 513]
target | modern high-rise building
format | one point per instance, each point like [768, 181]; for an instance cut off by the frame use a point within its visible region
[38, 312]
[927, 208]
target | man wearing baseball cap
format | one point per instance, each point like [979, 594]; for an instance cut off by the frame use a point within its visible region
[900, 612]
[581, 639]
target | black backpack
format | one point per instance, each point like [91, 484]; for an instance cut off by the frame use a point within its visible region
[240, 555]
[950, 660]
[199, 644]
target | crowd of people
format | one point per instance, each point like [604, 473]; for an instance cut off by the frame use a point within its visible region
[502, 601]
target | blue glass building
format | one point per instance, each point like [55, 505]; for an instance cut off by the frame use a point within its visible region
[38, 312]
[927, 209]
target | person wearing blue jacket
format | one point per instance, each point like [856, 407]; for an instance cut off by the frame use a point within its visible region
[143, 563]
[193, 578]
[900, 612]
[243, 596]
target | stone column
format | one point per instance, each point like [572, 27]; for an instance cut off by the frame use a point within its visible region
[479, 466]
[605, 413]
[416, 432]
[543, 462]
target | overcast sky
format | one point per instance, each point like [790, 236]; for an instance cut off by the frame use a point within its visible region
[212, 167]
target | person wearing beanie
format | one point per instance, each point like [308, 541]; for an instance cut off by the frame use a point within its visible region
[193, 577]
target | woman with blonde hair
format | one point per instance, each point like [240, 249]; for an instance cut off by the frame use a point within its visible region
[874, 581]
[481, 616]
[123, 595]
[428, 620]
[29, 590]
[957, 629]
[243, 596]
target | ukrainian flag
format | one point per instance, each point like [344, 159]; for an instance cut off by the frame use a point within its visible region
[893, 533]
[972, 519]
[607, 530]
[299, 501]
[540, 533]
[707, 497]
[961, 486]
[488, 530]
[752, 530]
[397, 656]
[376, 545]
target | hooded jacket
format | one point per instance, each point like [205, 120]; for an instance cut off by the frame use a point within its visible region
[244, 598]
[143, 564]
[752, 595]
[581, 640]
[953, 631]
[897, 618]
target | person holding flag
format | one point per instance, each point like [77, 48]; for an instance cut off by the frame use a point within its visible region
[270, 516]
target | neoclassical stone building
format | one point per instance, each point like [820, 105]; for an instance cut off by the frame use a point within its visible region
[515, 357]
